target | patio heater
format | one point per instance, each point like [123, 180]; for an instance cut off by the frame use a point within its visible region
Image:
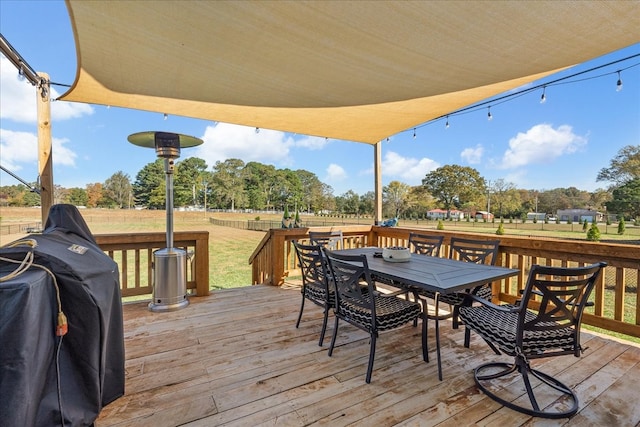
[169, 264]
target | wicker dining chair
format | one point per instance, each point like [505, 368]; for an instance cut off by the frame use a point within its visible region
[331, 239]
[315, 282]
[544, 323]
[467, 250]
[425, 244]
[370, 311]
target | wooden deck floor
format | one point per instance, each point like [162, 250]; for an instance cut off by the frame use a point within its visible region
[235, 358]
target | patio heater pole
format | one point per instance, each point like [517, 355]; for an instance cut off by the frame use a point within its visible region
[169, 264]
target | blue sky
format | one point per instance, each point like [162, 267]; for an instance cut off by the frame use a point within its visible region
[562, 142]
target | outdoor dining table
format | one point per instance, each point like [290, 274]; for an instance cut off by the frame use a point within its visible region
[439, 275]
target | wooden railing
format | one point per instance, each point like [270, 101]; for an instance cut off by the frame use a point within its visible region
[134, 255]
[274, 260]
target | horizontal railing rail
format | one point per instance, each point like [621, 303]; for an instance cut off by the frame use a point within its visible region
[133, 252]
[616, 304]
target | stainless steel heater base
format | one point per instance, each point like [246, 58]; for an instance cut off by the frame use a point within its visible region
[169, 280]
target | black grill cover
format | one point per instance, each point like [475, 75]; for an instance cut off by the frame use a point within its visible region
[91, 354]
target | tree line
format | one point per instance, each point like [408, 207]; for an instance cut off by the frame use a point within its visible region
[235, 185]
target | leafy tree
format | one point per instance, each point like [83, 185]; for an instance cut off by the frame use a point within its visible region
[288, 188]
[94, 194]
[350, 203]
[311, 190]
[396, 197]
[624, 167]
[228, 183]
[78, 197]
[504, 197]
[148, 179]
[455, 185]
[367, 203]
[260, 184]
[626, 199]
[420, 201]
[118, 188]
[188, 181]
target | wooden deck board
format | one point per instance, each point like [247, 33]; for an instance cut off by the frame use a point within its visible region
[235, 358]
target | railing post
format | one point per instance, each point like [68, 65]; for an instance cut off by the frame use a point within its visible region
[202, 266]
[277, 249]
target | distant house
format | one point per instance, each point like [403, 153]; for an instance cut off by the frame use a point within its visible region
[579, 215]
[442, 214]
[538, 216]
[484, 215]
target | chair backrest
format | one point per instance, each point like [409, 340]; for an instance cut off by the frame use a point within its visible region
[312, 264]
[476, 251]
[348, 272]
[425, 244]
[556, 297]
[331, 239]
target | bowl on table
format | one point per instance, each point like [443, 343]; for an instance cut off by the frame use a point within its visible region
[396, 254]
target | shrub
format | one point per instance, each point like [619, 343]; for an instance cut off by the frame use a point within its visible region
[621, 226]
[593, 235]
[440, 225]
[584, 225]
[500, 230]
[257, 218]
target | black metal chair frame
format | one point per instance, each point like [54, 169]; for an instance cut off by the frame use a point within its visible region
[468, 250]
[331, 239]
[370, 311]
[545, 323]
[316, 286]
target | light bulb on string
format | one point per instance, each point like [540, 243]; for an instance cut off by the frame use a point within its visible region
[446, 125]
[489, 116]
[257, 130]
[21, 76]
[414, 133]
[166, 116]
[619, 83]
[543, 98]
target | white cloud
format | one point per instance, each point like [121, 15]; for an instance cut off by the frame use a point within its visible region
[541, 144]
[226, 141]
[18, 100]
[335, 173]
[22, 147]
[407, 169]
[311, 142]
[473, 156]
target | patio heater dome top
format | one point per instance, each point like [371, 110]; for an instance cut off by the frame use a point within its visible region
[167, 144]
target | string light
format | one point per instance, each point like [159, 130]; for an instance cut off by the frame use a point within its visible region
[414, 133]
[489, 116]
[619, 83]
[543, 98]
[257, 130]
[166, 116]
[21, 76]
[446, 125]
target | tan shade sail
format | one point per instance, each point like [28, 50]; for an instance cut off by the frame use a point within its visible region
[352, 70]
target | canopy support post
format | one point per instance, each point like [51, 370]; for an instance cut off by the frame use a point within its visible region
[377, 167]
[45, 169]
